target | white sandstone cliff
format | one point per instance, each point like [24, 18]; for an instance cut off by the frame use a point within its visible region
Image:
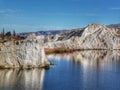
[25, 55]
[94, 36]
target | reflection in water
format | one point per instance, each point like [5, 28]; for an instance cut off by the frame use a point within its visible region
[90, 59]
[21, 79]
[99, 69]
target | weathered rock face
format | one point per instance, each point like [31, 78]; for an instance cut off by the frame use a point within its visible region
[26, 55]
[94, 36]
[97, 36]
[60, 44]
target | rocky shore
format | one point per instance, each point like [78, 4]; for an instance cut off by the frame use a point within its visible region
[31, 52]
[28, 54]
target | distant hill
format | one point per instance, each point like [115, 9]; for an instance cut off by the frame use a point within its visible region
[114, 25]
[65, 33]
[52, 32]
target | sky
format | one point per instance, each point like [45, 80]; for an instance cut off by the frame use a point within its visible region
[37, 15]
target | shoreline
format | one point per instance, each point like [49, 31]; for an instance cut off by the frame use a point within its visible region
[67, 50]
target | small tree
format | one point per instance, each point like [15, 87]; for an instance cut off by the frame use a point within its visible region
[8, 33]
[3, 33]
[14, 33]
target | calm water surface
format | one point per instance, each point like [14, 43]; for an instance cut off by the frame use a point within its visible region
[83, 70]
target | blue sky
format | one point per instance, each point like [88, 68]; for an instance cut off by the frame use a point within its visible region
[36, 15]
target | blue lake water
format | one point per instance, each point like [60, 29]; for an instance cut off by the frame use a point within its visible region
[83, 70]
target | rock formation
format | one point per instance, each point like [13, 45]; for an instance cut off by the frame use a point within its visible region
[94, 36]
[25, 55]
[30, 53]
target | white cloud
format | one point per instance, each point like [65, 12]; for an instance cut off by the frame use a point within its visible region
[60, 13]
[3, 11]
[115, 8]
[91, 14]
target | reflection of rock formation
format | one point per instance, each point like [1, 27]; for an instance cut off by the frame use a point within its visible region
[60, 56]
[98, 68]
[22, 79]
[87, 55]
[91, 59]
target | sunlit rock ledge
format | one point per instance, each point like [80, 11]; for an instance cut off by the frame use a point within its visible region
[28, 54]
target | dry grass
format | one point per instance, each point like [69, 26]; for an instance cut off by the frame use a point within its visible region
[57, 50]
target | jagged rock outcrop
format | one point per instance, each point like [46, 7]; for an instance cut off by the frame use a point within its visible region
[94, 36]
[60, 44]
[25, 55]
